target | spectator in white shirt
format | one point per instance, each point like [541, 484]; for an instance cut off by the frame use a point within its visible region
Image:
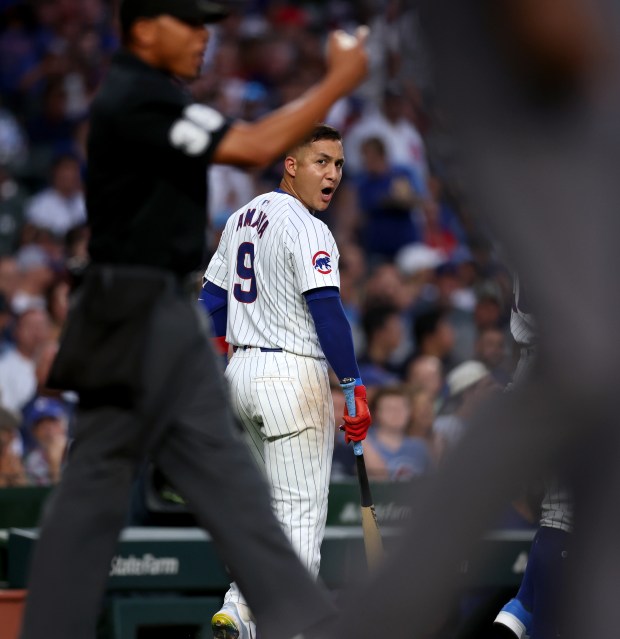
[34, 276]
[403, 143]
[61, 206]
[18, 380]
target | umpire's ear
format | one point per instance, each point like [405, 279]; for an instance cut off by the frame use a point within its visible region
[144, 32]
[290, 165]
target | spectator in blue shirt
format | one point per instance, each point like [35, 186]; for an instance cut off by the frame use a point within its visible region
[389, 196]
[390, 453]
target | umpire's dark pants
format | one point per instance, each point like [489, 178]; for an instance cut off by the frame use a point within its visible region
[182, 419]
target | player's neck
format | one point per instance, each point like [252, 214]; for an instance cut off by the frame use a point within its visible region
[288, 188]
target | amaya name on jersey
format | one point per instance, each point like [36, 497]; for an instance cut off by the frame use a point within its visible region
[247, 219]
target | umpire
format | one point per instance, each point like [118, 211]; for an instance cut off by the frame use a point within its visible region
[135, 348]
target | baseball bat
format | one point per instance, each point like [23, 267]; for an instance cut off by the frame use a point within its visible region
[370, 528]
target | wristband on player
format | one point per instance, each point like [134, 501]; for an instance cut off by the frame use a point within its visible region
[351, 382]
[349, 386]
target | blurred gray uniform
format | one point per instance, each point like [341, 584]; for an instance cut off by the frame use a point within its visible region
[557, 506]
[543, 172]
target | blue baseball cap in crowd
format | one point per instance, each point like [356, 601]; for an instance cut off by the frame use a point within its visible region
[191, 11]
[46, 408]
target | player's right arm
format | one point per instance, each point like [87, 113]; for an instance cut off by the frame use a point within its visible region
[314, 256]
[263, 141]
[334, 333]
[214, 294]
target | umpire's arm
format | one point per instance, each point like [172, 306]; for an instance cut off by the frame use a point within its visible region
[264, 141]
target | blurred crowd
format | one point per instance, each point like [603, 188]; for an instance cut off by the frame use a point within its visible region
[423, 284]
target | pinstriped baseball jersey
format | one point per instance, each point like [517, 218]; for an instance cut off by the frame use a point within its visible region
[557, 504]
[557, 507]
[522, 323]
[272, 251]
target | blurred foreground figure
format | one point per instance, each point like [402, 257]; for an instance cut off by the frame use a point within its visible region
[531, 90]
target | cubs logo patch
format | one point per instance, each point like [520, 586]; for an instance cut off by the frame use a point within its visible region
[322, 262]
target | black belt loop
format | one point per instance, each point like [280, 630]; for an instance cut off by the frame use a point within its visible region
[260, 348]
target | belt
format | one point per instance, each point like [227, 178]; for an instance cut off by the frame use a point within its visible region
[260, 348]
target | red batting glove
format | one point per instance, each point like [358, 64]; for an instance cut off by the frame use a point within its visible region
[355, 428]
[220, 345]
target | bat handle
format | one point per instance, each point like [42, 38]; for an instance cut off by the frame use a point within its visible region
[348, 388]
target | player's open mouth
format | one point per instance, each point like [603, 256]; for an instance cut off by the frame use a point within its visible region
[326, 194]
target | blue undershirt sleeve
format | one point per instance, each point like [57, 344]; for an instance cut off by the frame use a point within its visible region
[334, 331]
[215, 301]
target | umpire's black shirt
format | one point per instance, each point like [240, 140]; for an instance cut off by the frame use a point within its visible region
[148, 150]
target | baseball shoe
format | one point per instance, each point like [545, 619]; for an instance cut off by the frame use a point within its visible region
[233, 621]
[515, 617]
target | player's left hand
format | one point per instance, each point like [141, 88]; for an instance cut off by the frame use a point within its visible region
[356, 428]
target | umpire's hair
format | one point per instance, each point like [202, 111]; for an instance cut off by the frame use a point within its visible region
[320, 132]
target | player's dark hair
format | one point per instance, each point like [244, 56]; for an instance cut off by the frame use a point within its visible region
[320, 132]
[323, 132]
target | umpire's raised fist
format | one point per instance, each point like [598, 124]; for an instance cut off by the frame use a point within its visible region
[347, 59]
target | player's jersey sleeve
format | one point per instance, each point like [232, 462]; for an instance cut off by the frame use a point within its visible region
[314, 255]
[217, 270]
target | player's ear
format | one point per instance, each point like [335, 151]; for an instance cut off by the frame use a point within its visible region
[290, 165]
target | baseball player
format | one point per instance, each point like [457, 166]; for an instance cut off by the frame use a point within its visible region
[532, 612]
[272, 289]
